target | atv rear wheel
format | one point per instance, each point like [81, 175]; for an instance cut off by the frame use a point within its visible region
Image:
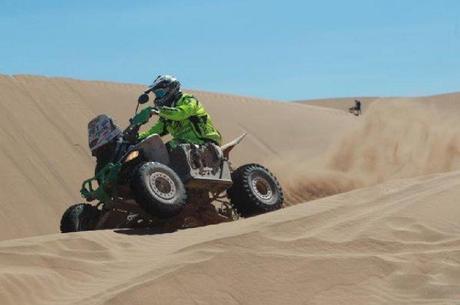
[255, 190]
[159, 190]
[79, 217]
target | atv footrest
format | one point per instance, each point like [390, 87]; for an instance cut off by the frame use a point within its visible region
[212, 185]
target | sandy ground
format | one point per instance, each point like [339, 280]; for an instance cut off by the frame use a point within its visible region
[388, 232]
[443, 103]
[43, 140]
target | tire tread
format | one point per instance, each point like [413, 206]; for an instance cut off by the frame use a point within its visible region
[68, 224]
[242, 197]
[144, 198]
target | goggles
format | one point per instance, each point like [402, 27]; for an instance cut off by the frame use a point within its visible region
[159, 93]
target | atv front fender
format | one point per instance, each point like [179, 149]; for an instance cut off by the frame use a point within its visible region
[154, 149]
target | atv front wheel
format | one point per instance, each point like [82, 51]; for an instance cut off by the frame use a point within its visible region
[255, 190]
[79, 217]
[159, 190]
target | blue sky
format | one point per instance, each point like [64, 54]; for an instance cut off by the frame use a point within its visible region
[272, 49]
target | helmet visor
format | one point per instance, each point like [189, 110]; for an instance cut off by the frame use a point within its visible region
[159, 93]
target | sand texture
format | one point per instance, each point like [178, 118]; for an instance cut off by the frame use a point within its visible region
[44, 153]
[372, 213]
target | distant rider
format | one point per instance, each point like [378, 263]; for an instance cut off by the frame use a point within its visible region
[181, 115]
[358, 106]
[356, 110]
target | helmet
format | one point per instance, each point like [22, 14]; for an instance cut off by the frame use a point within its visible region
[166, 89]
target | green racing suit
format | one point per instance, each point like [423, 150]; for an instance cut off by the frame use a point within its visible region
[187, 122]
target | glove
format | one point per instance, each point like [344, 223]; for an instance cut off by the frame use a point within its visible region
[131, 135]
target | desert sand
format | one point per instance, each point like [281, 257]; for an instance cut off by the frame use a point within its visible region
[444, 102]
[44, 150]
[386, 231]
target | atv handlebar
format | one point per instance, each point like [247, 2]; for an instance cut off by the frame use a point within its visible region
[141, 118]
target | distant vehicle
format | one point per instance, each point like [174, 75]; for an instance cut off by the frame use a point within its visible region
[356, 110]
[145, 184]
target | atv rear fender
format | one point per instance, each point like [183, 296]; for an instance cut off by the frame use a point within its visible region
[226, 148]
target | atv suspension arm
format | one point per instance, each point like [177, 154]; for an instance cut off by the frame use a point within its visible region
[104, 178]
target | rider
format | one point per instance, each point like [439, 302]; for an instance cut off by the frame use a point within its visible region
[181, 115]
[358, 106]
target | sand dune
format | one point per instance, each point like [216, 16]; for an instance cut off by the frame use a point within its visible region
[391, 237]
[340, 103]
[395, 139]
[43, 149]
[379, 245]
[442, 102]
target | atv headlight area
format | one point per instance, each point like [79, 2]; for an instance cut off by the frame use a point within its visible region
[131, 156]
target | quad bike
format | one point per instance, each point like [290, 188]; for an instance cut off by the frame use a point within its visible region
[356, 110]
[149, 184]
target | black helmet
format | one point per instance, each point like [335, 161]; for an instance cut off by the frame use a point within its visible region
[166, 89]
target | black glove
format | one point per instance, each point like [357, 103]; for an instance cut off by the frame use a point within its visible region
[131, 135]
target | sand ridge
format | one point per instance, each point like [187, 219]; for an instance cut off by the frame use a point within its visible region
[442, 102]
[374, 245]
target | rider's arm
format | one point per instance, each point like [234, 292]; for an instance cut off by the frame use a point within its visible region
[180, 112]
[158, 128]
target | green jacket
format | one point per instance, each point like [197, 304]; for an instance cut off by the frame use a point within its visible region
[187, 122]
